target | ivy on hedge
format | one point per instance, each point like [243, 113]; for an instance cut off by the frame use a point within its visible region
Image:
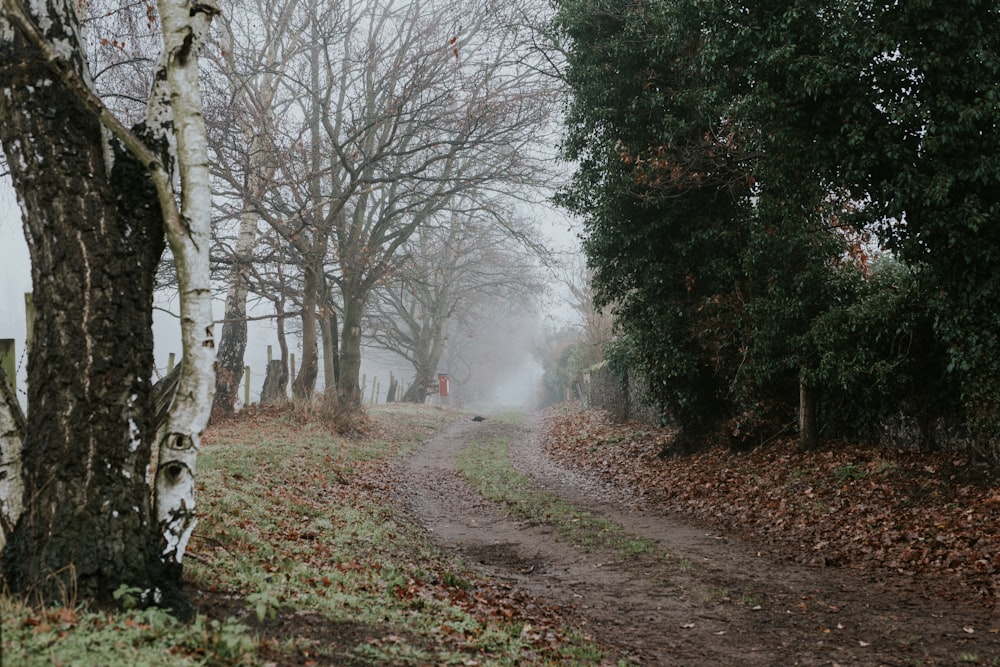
[736, 164]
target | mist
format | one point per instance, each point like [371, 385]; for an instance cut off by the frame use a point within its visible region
[487, 246]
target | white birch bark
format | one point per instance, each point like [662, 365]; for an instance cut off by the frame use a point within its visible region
[11, 441]
[185, 25]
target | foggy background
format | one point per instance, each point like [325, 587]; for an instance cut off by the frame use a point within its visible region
[516, 388]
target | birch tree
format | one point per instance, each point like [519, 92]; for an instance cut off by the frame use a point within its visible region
[11, 440]
[96, 198]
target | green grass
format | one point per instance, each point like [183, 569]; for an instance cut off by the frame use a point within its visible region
[487, 467]
[68, 636]
[512, 418]
[295, 521]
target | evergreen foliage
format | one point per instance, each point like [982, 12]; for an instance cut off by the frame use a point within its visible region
[660, 190]
[738, 166]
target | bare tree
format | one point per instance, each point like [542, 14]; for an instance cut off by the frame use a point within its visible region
[597, 326]
[244, 113]
[401, 111]
[450, 270]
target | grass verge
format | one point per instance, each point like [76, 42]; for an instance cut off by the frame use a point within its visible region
[302, 557]
[486, 465]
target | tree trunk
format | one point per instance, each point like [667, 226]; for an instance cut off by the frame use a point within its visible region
[420, 389]
[12, 424]
[275, 388]
[334, 348]
[233, 340]
[275, 382]
[429, 353]
[259, 167]
[808, 428]
[94, 231]
[283, 348]
[329, 339]
[95, 238]
[305, 383]
[349, 387]
[175, 108]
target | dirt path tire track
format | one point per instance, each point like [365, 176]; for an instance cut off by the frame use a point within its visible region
[715, 602]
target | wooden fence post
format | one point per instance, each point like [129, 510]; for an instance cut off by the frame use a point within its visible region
[808, 428]
[170, 362]
[29, 320]
[246, 386]
[390, 395]
[8, 360]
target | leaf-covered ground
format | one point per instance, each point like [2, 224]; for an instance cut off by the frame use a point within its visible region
[929, 518]
[308, 554]
[304, 539]
[304, 555]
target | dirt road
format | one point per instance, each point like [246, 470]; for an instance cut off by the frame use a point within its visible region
[713, 601]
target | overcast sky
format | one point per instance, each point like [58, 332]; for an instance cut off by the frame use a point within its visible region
[15, 272]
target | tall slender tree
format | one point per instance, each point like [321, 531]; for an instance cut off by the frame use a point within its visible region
[244, 108]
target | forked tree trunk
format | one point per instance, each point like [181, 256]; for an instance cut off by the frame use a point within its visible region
[420, 389]
[428, 353]
[95, 236]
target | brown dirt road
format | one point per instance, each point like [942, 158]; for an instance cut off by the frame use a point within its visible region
[714, 601]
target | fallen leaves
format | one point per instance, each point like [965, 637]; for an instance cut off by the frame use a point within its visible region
[325, 503]
[932, 515]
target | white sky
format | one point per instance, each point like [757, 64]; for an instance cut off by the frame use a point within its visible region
[15, 274]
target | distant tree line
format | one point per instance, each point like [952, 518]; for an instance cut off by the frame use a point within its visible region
[369, 163]
[794, 203]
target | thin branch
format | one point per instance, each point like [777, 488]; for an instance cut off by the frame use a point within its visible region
[17, 14]
[73, 80]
